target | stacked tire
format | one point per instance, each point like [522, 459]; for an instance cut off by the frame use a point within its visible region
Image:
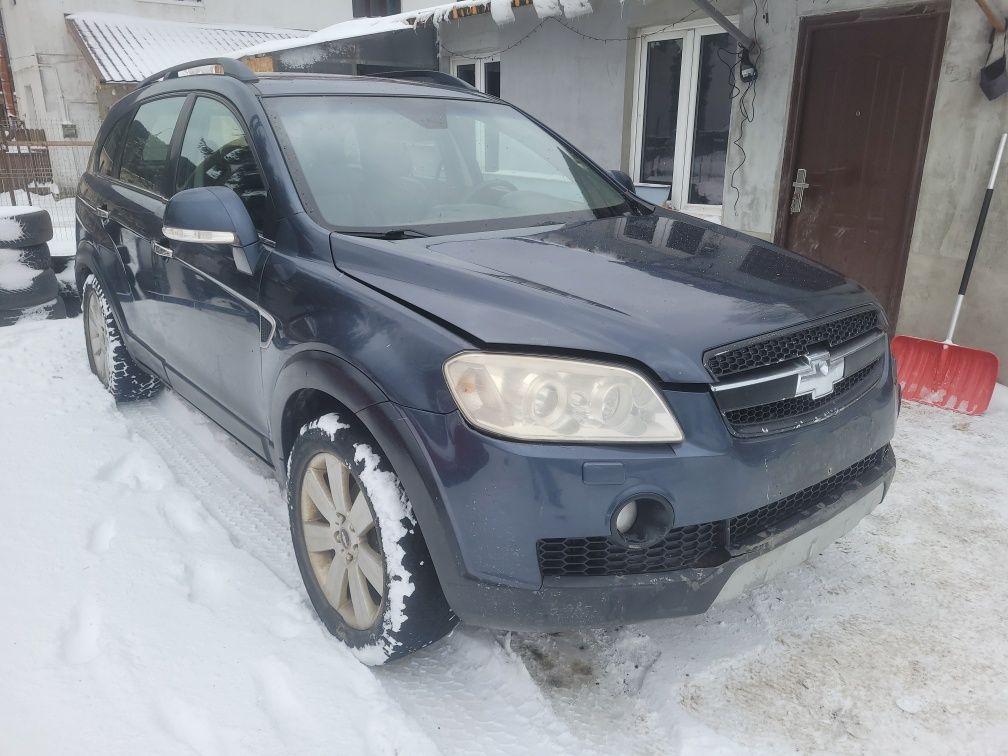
[28, 285]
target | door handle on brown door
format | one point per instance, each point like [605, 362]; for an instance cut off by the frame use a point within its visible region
[161, 249]
[102, 212]
[800, 186]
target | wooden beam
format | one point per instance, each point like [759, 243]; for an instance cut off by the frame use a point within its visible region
[996, 21]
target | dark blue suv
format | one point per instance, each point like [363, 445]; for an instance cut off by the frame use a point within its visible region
[498, 386]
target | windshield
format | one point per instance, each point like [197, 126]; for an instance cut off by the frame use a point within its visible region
[373, 164]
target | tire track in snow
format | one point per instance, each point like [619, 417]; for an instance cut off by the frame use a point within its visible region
[255, 521]
[470, 694]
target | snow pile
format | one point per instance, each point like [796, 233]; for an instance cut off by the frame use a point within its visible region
[154, 606]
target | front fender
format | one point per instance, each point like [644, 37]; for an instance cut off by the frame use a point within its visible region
[321, 371]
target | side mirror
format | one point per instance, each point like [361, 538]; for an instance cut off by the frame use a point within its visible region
[214, 215]
[624, 180]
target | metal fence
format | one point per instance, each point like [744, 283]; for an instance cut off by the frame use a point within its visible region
[40, 165]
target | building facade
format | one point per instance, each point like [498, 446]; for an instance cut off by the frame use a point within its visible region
[52, 78]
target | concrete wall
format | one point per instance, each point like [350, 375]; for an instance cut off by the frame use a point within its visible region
[964, 132]
[580, 87]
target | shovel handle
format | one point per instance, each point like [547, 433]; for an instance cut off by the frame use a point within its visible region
[988, 195]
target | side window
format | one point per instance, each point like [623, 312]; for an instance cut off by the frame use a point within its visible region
[105, 157]
[215, 152]
[148, 142]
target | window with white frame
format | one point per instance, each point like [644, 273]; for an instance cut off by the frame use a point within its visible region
[484, 74]
[682, 114]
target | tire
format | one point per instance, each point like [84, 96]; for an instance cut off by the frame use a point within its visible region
[35, 257]
[36, 227]
[404, 609]
[55, 310]
[41, 287]
[107, 354]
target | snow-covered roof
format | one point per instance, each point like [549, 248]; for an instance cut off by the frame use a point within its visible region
[502, 12]
[358, 27]
[128, 48]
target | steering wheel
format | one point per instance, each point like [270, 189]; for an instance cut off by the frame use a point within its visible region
[488, 185]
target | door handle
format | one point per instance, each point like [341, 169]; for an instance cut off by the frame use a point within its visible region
[162, 250]
[102, 212]
[800, 185]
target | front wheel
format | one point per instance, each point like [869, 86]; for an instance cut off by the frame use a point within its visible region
[364, 563]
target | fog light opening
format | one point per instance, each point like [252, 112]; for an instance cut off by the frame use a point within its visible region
[642, 520]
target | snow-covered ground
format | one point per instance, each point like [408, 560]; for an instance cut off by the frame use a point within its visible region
[151, 605]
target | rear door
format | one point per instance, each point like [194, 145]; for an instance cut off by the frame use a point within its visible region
[216, 330]
[135, 207]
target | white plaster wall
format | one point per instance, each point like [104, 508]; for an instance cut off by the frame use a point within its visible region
[582, 88]
[964, 131]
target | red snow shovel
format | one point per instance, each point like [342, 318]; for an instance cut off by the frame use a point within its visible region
[941, 373]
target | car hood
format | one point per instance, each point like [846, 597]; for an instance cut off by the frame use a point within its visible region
[659, 289]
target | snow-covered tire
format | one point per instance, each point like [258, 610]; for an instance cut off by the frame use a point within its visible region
[35, 257]
[35, 226]
[54, 310]
[344, 530]
[107, 354]
[41, 288]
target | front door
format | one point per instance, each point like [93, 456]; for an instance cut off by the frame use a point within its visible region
[209, 309]
[861, 112]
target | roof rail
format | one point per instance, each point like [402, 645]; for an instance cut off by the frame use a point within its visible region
[431, 77]
[230, 66]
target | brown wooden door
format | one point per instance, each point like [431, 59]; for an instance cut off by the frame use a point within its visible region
[861, 111]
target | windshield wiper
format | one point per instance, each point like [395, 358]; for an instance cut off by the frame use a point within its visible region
[390, 235]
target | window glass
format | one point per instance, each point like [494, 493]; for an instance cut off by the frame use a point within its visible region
[372, 8]
[105, 159]
[491, 78]
[215, 152]
[148, 141]
[661, 111]
[715, 82]
[437, 165]
[466, 72]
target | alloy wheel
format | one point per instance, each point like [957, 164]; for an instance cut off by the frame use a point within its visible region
[98, 341]
[342, 541]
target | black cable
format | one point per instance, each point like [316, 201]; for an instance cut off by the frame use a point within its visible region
[747, 113]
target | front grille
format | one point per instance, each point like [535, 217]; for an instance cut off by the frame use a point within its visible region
[784, 509]
[790, 409]
[774, 350]
[693, 545]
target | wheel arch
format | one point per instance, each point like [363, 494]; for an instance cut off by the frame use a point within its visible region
[311, 384]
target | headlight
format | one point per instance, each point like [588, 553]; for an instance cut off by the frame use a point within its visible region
[550, 399]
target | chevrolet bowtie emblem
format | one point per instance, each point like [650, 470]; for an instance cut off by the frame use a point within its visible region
[819, 374]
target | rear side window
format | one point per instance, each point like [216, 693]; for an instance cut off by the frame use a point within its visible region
[148, 144]
[105, 159]
[216, 152]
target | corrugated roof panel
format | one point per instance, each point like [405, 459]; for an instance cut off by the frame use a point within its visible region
[128, 48]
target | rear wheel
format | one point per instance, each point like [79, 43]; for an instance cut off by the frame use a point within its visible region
[364, 562]
[107, 354]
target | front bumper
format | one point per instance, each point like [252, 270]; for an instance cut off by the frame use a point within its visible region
[484, 503]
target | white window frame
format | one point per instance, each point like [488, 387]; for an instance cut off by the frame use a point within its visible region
[690, 33]
[457, 61]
